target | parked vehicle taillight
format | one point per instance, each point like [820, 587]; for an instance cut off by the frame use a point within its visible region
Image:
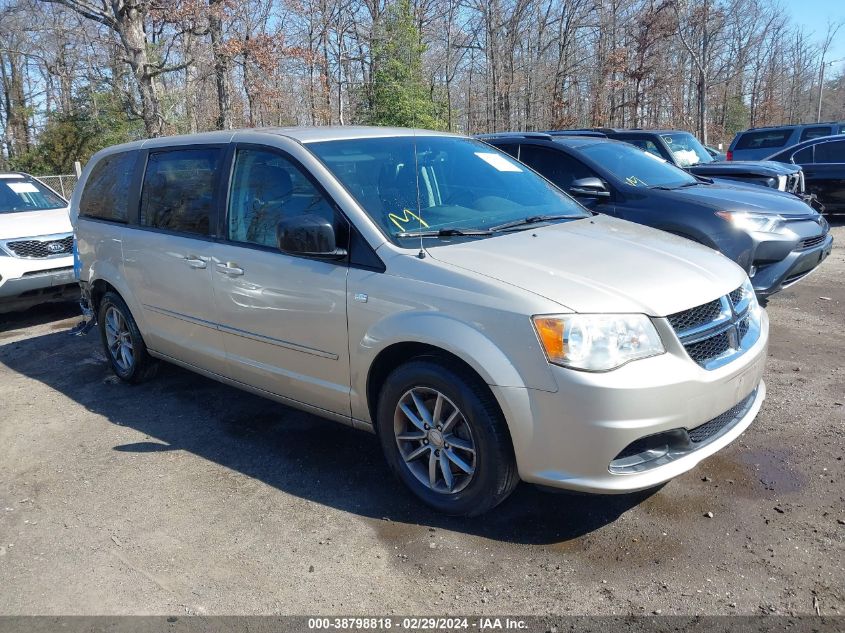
[729, 155]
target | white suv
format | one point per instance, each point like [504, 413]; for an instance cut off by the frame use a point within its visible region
[36, 244]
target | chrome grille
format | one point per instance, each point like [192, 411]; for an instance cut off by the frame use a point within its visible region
[41, 248]
[810, 242]
[709, 348]
[696, 317]
[716, 332]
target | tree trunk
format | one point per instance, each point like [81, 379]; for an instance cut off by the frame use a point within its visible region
[221, 65]
[130, 29]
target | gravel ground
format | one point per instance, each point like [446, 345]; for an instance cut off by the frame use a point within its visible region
[185, 496]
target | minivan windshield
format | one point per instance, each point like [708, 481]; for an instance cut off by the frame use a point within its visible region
[20, 193]
[637, 168]
[687, 149]
[449, 184]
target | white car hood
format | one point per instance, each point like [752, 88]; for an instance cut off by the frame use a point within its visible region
[601, 264]
[34, 223]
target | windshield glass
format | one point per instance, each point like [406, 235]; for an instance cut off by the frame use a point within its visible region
[686, 149]
[19, 193]
[451, 183]
[635, 167]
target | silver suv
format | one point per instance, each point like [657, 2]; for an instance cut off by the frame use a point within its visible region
[430, 289]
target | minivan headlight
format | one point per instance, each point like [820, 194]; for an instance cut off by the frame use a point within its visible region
[758, 222]
[597, 342]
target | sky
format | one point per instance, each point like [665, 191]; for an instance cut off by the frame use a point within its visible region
[813, 15]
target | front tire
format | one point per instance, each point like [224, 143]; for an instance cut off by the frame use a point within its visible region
[122, 341]
[444, 436]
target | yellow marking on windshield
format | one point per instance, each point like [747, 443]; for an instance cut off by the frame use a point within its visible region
[407, 216]
[633, 181]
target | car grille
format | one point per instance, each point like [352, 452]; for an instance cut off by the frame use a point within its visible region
[41, 248]
[793, 183]
[696, 317]
[716, 332]
[706, 431]
[810, 242]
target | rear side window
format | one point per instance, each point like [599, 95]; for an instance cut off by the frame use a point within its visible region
[764, 139]
[815, 132]
[179, 188]
[832, 152]
[106, 193]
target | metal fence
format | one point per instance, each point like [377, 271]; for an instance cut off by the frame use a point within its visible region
[64, 183]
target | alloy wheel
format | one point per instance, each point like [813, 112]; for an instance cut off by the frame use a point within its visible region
[435, 440]
[119, 340]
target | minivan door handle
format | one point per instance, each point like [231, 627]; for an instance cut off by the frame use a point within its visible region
[231, 269]
[195, 262]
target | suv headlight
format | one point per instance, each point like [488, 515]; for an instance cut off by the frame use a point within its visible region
[747, 221]
[597, 342]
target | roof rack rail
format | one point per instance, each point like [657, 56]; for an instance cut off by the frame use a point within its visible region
[538, 135]
[596, 132]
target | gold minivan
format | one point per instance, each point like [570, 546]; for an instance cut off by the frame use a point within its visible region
[430, 289]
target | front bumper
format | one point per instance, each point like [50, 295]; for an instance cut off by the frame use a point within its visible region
[570, 439]
[774, 277]
[29, 282]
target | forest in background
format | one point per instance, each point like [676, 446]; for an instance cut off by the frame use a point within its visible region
[79, 75]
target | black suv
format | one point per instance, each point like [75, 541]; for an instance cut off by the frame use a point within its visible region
[823, 162]
[774, 236]
[683, 150]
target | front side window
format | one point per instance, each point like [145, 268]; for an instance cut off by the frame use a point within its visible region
[804, 156]
[831, 152]
[815, 132]
[179, 187]
[637, 168]
[106, 193]
[686, 149]
[266, 188]
[557, 166]
[22, 193]
[408, 184]
[645, 145]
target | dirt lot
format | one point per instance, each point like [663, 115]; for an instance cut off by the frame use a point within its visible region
[185, 496]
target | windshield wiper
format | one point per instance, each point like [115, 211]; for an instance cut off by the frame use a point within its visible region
[681, 186]
[446, 233]
[534, 219]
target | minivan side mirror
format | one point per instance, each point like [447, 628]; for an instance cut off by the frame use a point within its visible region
[590, 187]
[308, 235]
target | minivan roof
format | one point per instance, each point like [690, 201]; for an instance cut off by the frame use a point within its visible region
[304, 134]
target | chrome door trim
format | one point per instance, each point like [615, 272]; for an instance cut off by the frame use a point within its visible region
[182, 317]
[277, 342]
[243, 333]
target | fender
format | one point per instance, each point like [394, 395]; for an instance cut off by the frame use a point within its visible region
[104, 270]
[454, 336]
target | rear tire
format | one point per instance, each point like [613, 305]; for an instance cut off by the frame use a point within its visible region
[444, 436]
[122, 341]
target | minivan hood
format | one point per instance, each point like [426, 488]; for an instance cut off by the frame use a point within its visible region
[601, 264]
[725, 197]
[34, 223]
